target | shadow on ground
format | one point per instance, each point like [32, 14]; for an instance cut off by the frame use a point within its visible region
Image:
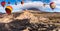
[20, 25]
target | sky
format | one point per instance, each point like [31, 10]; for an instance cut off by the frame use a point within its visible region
[31, 3]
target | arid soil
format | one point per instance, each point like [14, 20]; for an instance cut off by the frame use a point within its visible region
[30, 21]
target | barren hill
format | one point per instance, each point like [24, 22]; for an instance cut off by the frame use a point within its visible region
[30, 20]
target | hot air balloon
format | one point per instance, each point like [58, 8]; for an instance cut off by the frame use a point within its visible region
[44, 4]
[3, 3]
[8, 2]
[15, 3]
[8, 9]
[22, 2]
[52, 5]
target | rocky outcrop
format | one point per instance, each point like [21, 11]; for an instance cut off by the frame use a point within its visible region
[33, 19]
[27, 21]
[25, 25]
[6, 18]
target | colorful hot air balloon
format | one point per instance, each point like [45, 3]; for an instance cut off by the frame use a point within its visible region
[22, 2]
[8, 9]
[3, 3]
[8, 2]
[52, 5]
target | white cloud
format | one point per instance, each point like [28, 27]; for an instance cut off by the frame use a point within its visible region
[56, 1]
[19, 7]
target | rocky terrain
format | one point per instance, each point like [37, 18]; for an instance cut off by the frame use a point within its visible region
[30, 21]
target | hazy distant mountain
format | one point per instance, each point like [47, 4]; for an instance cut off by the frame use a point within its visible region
[32, 8]
[35, 9]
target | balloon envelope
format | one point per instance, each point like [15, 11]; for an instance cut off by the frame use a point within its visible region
[15, 3]
[3, 3]
[44, 5]
[22, 2]
[52, 5]
[8, 9]
[8, 2]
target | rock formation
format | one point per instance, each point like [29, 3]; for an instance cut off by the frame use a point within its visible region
[30, 21]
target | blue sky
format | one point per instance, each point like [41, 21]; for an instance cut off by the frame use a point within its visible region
[32, 3]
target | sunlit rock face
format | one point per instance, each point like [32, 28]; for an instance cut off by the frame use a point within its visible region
[6, 18]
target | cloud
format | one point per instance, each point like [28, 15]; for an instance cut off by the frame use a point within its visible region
[56, 1]
[36, 4]
[2, 9]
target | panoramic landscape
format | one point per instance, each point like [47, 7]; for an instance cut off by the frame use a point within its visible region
[30, 15]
